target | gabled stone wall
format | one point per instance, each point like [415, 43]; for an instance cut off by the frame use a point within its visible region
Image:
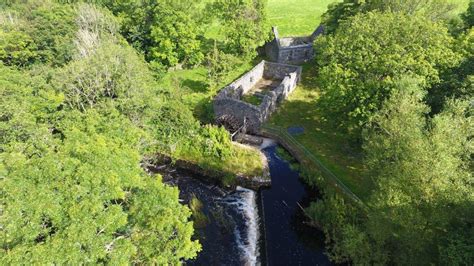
[228, 104]
[292, 49]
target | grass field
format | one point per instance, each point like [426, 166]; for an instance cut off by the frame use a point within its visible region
[301, 17]
[296, 17]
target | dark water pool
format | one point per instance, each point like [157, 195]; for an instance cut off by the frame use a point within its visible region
[254, 228]
[288, 241]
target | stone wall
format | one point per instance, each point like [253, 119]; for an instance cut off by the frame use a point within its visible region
[228, 103]
[292, 49]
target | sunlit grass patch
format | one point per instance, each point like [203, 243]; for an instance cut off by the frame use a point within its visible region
[320, 137]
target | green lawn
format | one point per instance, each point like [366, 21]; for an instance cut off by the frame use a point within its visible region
[301, 17]
[296, 17]
[324, 141]
[194, 91]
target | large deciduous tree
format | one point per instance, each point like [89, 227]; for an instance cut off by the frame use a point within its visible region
[73, 189]
[165, 31]
[37, 32]
[421, 209]
[423, 172]
[244, 24]
[359, 64]
[435, 10]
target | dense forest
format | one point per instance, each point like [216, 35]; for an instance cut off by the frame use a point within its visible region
[82, 115]
[88, 102]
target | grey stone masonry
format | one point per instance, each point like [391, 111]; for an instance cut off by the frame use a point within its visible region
[292, 49]
[278, 80]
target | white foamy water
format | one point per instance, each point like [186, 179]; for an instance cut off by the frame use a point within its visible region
[267, 143]
[245, 202]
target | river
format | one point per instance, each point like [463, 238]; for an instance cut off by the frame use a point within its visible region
[254, 228]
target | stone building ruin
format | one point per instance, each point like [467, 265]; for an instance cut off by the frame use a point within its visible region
[291, 49]
[247, 102]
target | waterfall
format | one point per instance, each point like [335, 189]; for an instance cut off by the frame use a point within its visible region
[244, 201]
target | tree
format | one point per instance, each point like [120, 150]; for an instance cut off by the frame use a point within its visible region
[219, 64]
[424, 191]
[458, 81]
[244, 24]
[420, 211]
[434, 10]
[17, 48]
[164, 31]
[73, 189]
[360, 63]
[468, 16]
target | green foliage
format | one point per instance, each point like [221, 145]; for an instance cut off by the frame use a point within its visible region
[420, 173]
[423, 197]
[163, 30]
[53, 28]
[112, 74]
[337, 13]
[468, 16]
[457, 82]
[45, 32]
[244, 24]
[73, 190]
[360, 63]
[219, 64]
[17, 48]
[435, 10]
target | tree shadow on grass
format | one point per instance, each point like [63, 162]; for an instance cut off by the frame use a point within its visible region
[203, 111]
[198, 86]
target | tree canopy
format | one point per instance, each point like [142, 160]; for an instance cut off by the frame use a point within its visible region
[421, 208]
[435, 10]
[360, 63]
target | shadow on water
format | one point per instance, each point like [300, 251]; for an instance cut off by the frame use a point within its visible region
[288, 241]
[253, 228]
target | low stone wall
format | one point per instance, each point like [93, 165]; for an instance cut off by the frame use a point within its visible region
[292, 49]
[228, 103]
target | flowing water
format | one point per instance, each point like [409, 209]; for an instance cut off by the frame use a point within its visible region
[288, 241]
[254, 228]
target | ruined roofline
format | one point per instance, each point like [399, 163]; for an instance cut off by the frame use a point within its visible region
[232, 87]
[318, 31]
[231, 109]
[293, 50]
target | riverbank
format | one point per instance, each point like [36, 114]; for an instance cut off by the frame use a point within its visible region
[238, 226]
[222, 177]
